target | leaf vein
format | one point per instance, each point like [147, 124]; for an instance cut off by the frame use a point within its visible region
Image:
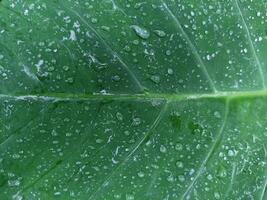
[107, 45]
[251, 45]
[210, 153]
[191, 45]
[134, 149]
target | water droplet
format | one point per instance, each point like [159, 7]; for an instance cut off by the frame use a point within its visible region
[179, 164]
[181, 178]
[231, 153]
[66, 68]
[94, 20]
[170, 71]
[217, 114]
[160, 33]
[116, 78]
[209, 177]
[105, 28]
[141, 32]
[168, 53]
[155, 79]
[135, 42]
[136, 121]
[170, 178]
[117, 196]
[217, 195]
[178, 146]
[119, 116]
[141, 174]
[99, 141]
[69, 80]
[162, 149]
[50, 69]
[129, 197]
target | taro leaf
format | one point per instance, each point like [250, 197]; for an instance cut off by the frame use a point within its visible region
[116, 99]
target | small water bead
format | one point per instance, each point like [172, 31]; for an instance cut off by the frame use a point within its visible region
[127, 48]
[105, 28]
[141, 32]
[127, 133]
[99, 141]
[170, 71]
[116, 78]
[231, 153]
[50, 69]
[217, 114]
[160, 33]
[155, 79]
[54, 133]
[170, 178]
[135, 60]
[94, 20]
[209, 177]
[217, 195]
[117, 196]
[168, 53]
[129, 197]
[136, 122]
[181, 178]
[69, 80]
[163, 149]
[179, 164]
[178, 146]
[141, 174]
[136, 42]
[66, 68]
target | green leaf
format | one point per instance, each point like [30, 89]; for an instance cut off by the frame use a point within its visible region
[115, 99]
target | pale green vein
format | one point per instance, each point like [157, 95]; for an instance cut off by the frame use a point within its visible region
[263, 188]
[135, 147]
[107, 45]
[191, 45]
[213, 148]
[48, 171]
[233, 174]
[260, 68]
[134, 97]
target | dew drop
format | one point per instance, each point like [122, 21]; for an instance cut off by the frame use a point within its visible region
[178, 146]
[170, 178]
[160, 33]
[129, 197]
[168, 53]
[141, 32]
[179, 164]
[141, 174]
[181, 178]
[155, 79]
[162, 149]
[217, 195]
[170, 71]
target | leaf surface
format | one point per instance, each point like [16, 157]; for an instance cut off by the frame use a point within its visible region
[116, 99]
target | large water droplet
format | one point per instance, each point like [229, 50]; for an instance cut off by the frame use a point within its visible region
[141, 32]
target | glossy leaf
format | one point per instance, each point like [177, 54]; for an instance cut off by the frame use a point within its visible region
[116, 99]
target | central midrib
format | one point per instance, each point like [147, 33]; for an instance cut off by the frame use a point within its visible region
[144, 96]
